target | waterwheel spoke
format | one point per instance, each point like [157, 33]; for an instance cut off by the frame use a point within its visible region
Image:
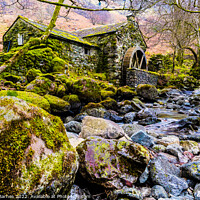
[141, 61]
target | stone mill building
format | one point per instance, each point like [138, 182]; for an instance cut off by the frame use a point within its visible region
[115, 49]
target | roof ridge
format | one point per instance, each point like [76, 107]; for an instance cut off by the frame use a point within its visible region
[99, 26]
[57, 32]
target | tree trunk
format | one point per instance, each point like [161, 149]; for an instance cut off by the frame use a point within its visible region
[174, 55]
[34, 41]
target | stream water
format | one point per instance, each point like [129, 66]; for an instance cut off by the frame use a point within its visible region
[166, 117]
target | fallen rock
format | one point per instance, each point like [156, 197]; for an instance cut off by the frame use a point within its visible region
[36, 156]
[143, 138]
[42, 86]
[30, 97]
[197, 192]
[146, 91]
[147, 112]
[87, 89]
[190, 146]
[191, 170]
[126, 192]
[130, 129]
[167, 140]
[76, 193]
[73, 126]
[167, 175]
[158, 191]
[92, 126]
[58, 105]
[129, 117]
[111, 163]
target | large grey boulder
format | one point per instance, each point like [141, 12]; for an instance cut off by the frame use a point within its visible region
[143, 138]
[167, 175]
[93, 126]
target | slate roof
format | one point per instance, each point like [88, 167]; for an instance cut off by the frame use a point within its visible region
[56, 32]
[99, 30]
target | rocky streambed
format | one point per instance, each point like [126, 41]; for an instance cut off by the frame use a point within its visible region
[130, 149]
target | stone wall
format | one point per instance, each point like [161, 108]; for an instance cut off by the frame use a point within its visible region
[83, 59]
[114, 46]
[80, 58]
[21, 27]
[136, 76]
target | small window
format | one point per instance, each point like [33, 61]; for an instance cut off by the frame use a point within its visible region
[87, 51]
[20, 39]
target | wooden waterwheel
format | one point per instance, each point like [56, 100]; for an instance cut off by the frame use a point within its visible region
[133, 58]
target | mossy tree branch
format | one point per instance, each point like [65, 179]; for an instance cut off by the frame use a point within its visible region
[33, 42]
[77, 7]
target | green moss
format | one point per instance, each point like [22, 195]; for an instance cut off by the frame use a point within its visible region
[99, 76]
[183, 81]
[58, 65]
[32, 74]
[109, 103]
[105, 94]
[56, 103]
[91, 105]
[72, 98]
[9, 84]
[29, 97]
[145, 86]
[12, 78]
[125, 92]
[16, 137]
[87, 89]
[41, 86]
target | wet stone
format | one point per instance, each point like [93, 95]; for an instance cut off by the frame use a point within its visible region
[158, 191]
[167, 175]
[191, 170]
[143, 138]
[197, 192]
[73, 126]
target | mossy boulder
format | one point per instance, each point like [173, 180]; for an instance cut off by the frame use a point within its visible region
[61, 90]
[109, 103]
[147, 91]
[106, 93]
[96, 110]
[91, 105]
[108, 90]
[111, 163]
[57, 104]
[87, 89]
[58, 65]
[125, 92]
[35, 153]
[42, 86]
[30, 97]
[73, 100]
[13, 78]
[39, 58]
[9, 84]
[32, 74]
